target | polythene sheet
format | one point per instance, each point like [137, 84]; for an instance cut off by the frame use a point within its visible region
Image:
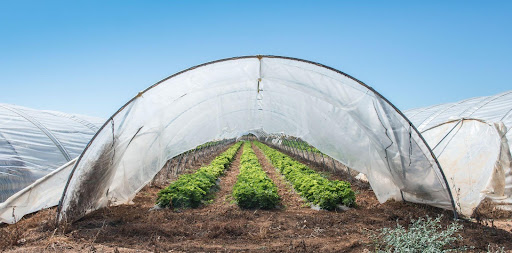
[43, 193]
[496, 108]
[33, 143]
[474, 160]
[334, 112]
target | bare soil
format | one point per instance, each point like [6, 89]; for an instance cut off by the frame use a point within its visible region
[222, 226]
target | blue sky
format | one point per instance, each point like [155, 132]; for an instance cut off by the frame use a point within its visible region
[90, 57]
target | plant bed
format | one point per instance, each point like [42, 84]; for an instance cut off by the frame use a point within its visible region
[190, 190]
[254, 189]
[327, 194]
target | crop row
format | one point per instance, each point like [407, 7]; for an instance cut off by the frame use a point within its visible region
[327, 194]
[253, 188]
[191, 189]
[301, 145]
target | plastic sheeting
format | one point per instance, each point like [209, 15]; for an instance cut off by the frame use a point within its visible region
[497, 108]
[43, 193]
[33, 143]
[475, 159]
[336, 113]
[477, 151]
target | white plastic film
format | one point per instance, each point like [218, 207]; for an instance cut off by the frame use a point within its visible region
[473, 159]
[339, 115]
[43, 193]
[33, 143]
[497, 108]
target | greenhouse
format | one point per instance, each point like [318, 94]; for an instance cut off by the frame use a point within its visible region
[339, 115]
[471, 139]
[33, 143]
[497, 108]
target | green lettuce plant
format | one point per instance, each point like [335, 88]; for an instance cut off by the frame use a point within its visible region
[190, 190]
[327, 194]
[253, 188]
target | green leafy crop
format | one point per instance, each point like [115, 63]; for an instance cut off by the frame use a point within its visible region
[253, 188]
[312, 186]
[191, 189]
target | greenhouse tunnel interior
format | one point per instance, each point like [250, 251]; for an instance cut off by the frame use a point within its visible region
[341, 116]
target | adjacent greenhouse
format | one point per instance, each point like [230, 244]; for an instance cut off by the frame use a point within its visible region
[497, 108]
[34, 143]
[471, 139]
[341, 116]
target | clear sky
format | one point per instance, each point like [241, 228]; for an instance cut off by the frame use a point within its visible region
[91, 57]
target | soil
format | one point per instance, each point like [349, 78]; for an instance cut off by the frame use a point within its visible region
[222, 226]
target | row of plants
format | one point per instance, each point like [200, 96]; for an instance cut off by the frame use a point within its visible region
[208, 144]
[312, 186]
[191, 189]
[253, 188]
[301, 145]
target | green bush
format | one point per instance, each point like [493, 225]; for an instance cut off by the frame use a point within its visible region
[253, 188]
[423, 235]
[312, 186]
[191, 189]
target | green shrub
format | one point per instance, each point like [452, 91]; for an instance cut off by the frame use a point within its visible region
[308, 183]
[423, 235]
[191, 189]
[253, 188]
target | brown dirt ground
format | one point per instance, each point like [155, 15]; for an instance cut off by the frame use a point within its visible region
[222, 226]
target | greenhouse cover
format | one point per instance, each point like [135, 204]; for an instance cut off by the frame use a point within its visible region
[471, 139]
[341, 116]
[33, 143]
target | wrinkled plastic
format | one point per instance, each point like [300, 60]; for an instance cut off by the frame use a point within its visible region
[43, 193]
[334, 112]
[478, 151]
[475, 160]
[33, 143]
[497, 108]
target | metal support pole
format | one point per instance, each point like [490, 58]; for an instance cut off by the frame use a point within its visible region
[294, 148]
[323, 159]
[185, 161]
[302, 146]
[299, 148]
[178, 165]
[291, 147]
[285, 145]
[305, 148]
[312, 153]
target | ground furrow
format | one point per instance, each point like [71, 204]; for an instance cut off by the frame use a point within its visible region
[223, 196]
[289, 199]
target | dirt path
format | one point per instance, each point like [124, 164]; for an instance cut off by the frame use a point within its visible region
[227, 181]
[289, 199]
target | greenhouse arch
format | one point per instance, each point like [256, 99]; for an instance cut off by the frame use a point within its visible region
[33, 143]
[341, 116]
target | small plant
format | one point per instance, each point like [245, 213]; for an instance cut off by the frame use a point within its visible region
[495, 249]
[423, 235]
